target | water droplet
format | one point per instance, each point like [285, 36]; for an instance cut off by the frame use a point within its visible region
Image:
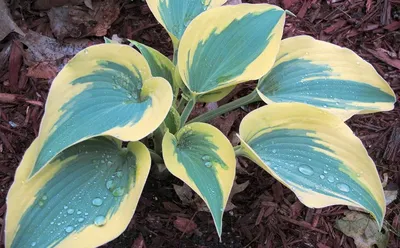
[78, 212]
[100, 220]
[306, 170]
[51, 223]
[118, 191]
[44, 198]
[33, 244]
[273, 150]
[65, 207]
[208, 164]
[81, 220]
[69, 229]
[325, 171]
[41, 203]
[70, 211]
[97, 201]
[109, 163]
[322, 176]
[331, 179]
[205, 158]
[343, 187]
[119, 174]
[110, 184]
[86, 214]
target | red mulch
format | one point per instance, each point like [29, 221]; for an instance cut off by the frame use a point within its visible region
[267, 214]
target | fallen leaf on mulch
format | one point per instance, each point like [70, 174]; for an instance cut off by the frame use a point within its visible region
[384, 55]
[185, 225]
[363, 230]
[7, 25]
[43, 70]
[224, 124]
[139, 242]
[236, 188]
[184, 193]
[77, 21]
[390, 196]
[43, 48]
[61, 23]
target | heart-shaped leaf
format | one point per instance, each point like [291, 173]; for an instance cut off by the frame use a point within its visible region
[326, 76]
[85, 197]
[201, 156]
[314, 154]
[221, 49]
[106, 89]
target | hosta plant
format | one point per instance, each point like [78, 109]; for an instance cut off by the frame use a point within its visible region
[79, 182]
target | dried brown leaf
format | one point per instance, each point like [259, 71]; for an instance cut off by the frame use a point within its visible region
[43, 48]
[44, 70]
[185, 225]
[362, 229]
[77, 21]
[184, 193]
[7, 25]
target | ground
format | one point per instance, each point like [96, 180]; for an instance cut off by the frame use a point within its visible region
[267, 214]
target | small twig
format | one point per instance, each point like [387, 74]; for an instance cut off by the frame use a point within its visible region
[302, 224]
[187, 224]
[15, 99]
[11, 131]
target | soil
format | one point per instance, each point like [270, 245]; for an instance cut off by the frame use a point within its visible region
[267, 214]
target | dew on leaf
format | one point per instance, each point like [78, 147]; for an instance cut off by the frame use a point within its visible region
[306, 170]
[69, 229]
[118, 191]
[343, 187]
[100, 220]
[97, 202]
[119, 174]
[110, 184]
[205, 158]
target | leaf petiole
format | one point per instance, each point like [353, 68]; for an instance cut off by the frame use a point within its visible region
[250, 98]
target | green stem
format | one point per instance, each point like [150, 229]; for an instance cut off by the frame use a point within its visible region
[186, 112]
[158, 136]
[181, 105]
[238, 151]
[250, 98]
